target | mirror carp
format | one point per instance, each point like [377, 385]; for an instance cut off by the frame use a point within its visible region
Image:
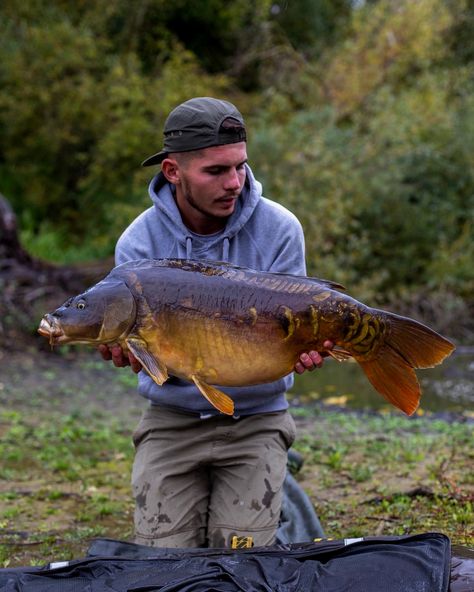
[219, 324]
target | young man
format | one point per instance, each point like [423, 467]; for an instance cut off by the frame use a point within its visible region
[199, 478]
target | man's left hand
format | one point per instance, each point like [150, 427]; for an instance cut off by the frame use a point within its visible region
[312, 359]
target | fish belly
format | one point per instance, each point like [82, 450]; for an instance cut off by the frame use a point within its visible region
[226, 353]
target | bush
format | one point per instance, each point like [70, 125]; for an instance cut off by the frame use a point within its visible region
[386, 200]
[365, 132]
[77, 121]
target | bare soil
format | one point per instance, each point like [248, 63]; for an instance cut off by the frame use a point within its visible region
[66, 421]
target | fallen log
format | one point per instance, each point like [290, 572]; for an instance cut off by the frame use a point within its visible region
[29, 285]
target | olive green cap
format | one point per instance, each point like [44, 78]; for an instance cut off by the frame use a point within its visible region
[200, 123]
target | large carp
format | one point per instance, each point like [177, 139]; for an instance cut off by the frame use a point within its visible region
[214, 323]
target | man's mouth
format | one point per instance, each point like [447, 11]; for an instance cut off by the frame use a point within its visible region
[227, 199]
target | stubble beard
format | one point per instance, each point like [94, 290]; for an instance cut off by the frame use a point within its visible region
[189, 198]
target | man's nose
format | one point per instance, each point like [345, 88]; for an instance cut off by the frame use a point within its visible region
[232, 181]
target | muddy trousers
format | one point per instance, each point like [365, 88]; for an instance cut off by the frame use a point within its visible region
[199, 482]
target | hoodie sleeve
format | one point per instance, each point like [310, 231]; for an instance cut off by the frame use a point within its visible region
[290, 257]
[282, 239]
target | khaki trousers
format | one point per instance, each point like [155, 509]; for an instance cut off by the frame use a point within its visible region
[198, 482]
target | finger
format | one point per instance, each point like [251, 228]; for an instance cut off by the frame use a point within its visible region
[310, 360]
[118, 358]
[104, 352]
[299, 368]
[134, 363]
[316, 358]
[327, 345]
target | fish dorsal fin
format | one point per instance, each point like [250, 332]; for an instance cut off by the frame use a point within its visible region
[155, 368]
[327, 284]
[216, 398]
[276, 281]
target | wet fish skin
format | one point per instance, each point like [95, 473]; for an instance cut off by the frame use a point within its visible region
[214, 323]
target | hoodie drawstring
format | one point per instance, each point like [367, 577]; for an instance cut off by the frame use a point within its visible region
[189, 247]
[225, 248]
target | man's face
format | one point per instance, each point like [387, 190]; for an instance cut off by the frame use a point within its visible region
[210, 183]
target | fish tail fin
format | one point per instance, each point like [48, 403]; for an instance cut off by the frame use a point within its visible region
[409, 345]
[419, 345]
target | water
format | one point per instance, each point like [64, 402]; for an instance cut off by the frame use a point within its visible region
[448, 387]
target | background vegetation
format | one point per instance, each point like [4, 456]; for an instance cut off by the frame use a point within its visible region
[360, 116]
[361, 121]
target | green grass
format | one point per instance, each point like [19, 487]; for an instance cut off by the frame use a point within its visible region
[65, 444]
[387, 474]
[52, 245]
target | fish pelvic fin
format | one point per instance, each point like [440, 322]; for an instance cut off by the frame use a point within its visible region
[408, 345]
[155, 368]
[216, 398]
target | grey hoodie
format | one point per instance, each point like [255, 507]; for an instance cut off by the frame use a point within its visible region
[260, 234]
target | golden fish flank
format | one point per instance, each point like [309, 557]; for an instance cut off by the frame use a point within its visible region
[217, 324]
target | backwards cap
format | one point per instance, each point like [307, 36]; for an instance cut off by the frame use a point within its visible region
[200, 123]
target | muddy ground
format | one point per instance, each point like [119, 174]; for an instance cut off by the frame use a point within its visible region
[66, 420]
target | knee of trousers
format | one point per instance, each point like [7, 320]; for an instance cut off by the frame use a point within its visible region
[175, 540]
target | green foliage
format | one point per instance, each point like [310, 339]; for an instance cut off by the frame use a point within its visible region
[381, 171]
[312, 24]
[77, 119]
[361, 121]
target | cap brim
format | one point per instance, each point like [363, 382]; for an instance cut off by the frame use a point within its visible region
[155, 158]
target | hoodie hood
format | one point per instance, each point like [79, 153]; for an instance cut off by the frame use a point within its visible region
[161, 194]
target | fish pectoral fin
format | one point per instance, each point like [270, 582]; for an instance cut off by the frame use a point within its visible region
[339, 354]
[216, 398]
[155, 368]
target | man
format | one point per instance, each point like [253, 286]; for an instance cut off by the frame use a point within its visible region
[200, 478]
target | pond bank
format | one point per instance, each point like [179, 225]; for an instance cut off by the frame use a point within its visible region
[65, 442]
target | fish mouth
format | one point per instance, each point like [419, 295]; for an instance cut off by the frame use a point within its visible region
[50, 327]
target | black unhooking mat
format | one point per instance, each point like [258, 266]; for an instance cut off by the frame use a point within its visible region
[419, 563]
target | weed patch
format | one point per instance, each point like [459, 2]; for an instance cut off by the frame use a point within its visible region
[387, 474]
[65, 444]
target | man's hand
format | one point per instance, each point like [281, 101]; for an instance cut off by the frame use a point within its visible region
[312, 359]
[119, 358]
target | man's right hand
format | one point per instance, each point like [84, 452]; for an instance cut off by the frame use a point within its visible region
[119, 357]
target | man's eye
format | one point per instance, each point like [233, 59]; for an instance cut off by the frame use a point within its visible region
[81, 305]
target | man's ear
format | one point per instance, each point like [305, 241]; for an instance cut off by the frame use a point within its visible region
[171, 171]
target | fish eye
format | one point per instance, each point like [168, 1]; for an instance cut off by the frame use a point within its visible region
[81, 305]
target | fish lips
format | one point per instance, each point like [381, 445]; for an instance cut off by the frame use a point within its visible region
[50, 327]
